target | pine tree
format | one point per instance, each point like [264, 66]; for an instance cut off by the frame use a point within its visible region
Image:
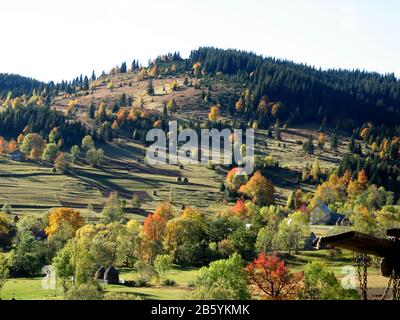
[92, 110]
[86, 84]
[123, 68]
[334, 141]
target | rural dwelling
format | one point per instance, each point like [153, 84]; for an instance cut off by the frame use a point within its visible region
[16, 155]
[320, 214]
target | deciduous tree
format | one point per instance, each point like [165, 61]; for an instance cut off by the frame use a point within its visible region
[272, 278]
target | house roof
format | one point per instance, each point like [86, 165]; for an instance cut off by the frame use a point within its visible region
[15, 152]
[329, 217]
[323, 207]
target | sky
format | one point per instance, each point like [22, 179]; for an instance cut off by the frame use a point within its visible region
[61, 39]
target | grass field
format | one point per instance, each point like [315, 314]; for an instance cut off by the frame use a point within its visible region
[31, 288]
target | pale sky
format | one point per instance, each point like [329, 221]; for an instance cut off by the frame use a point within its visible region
[60, 39]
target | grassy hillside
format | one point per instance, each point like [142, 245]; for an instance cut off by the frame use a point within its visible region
[29, 188]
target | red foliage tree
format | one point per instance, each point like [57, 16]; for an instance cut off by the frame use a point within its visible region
[270, 276]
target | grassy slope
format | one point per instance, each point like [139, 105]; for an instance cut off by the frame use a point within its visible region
[33, 189]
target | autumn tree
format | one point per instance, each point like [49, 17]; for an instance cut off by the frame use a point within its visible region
[239, 209]
[234, 179]
[321, 140]
[63, 216]
[3, 146]
[272, 278]
[213, 114]
[171, 105]
[62, 161]
[259, 190]
[33, 141]
[20, 138]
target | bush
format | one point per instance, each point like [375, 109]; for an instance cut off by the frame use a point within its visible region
[84, 292]
[169, 283]
[120, 296]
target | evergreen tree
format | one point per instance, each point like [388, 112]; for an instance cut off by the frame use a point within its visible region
[123, 68]
[86, 84]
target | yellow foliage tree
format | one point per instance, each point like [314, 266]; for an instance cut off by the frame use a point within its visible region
[164, 210]
[239, 105]
[35, 153]
[63, 216]
[364, 132]
[213, 115]
[154, 71]
[20, 138]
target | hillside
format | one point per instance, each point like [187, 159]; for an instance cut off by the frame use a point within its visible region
[78, 149]
[124, 169]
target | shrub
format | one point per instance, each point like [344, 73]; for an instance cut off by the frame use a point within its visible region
[169, 283]
[84, 292]
[120, 296]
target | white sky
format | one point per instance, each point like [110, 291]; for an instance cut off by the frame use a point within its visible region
[60, 39]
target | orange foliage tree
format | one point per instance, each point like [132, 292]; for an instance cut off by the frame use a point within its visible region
[239, 209]
[270, 276]
[259, 189]
[12, 146]
[362, 178]
[154, 226]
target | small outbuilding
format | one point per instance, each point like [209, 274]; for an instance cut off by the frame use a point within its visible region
[100, 274]
[111, 275]
[310, 243]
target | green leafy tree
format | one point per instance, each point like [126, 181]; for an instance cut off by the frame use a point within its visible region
[163, 264]
[113, 210]
[320, 283]
[95, 157]
[27, 258]
[291, 231]
[50, 152]
[75, 152]
[223, 279]
[87, 143]
[4, 273]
